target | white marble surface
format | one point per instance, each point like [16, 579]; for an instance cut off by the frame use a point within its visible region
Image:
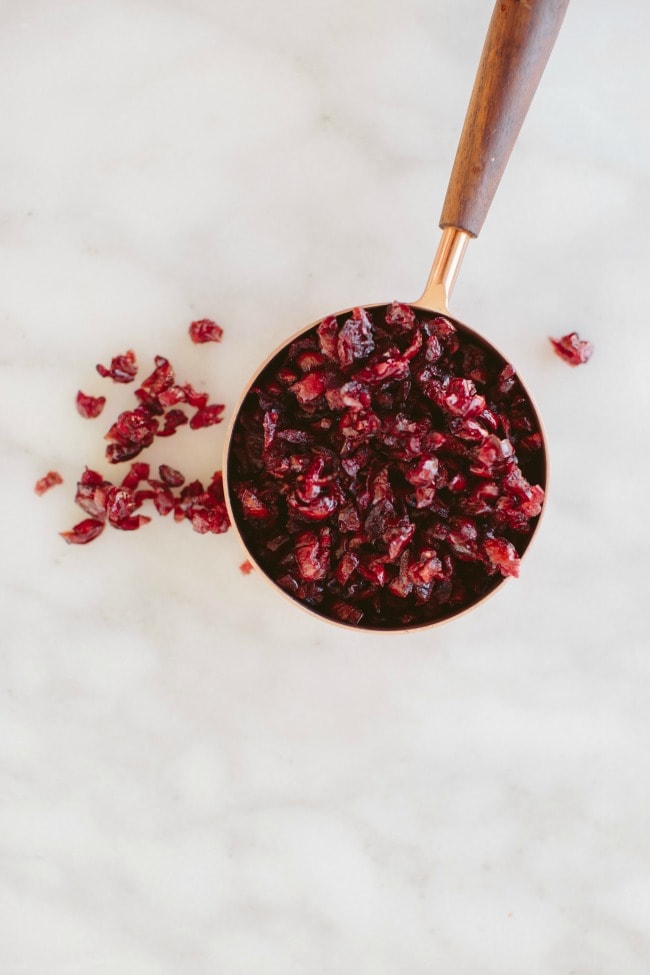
[195, 778]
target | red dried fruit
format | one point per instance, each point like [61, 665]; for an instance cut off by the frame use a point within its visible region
[572, 349]
[205, 330]
[214, 520]
[138, 472]
[91, 494]
[461, 398]
[132, 432]
[312, 551]
[123, 368]
[355, 339]
[49, 480]
[327, 332]
[119, 504]
[131, 523]
[400, 316]
[347, 613]
[83, 532]
[89, 406]
[207, 416]
[162, 497]
[160, 379]
[170, 476]
[246, 568]
[173, 419]
[310, 387]
[503, 556]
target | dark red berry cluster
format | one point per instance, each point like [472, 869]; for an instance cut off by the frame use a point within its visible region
[115, 505]
[158, 413]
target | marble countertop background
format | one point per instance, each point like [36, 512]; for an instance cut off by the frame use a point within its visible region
[195, 778]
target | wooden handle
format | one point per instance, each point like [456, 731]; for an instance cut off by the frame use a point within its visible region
[518, 44]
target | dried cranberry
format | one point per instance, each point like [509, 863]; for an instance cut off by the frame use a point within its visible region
[90, 406]
[572, 349]
[400, 315]
[50, 479]
[162, 496]
[207, 416]
[214, 520]
[131, 522]
[132, 432]
[160, 379]
[312, 551]
[173, 420]
[246, 567]
[119, 504]
[83, 532]
[327, 332]
[205, 330]
[355, 339]
[503, 555]
[123, 368]
[139, 471]
[170, 476]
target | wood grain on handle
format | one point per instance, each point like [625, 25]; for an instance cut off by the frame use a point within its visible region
[518, 44]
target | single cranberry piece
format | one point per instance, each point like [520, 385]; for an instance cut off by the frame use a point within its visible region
[205, 330]
[310, 387]
[207, 416]
[83, 532]
[246, 567]
[400, 316]
[327, 332]
[312, 551]
[170, 476]
[355, 339]
[120, 503]
[139, 472]
[347, 613]
[214, 520]
[90, 406]
[162, 497]
[503, 555]
[173, 420]
[253, 507]
[160, 379]
[131, 523]
[123, 368]
[50, 479]
[461, 398]
[572, 349]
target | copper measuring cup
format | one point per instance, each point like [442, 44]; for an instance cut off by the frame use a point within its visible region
[518, 44]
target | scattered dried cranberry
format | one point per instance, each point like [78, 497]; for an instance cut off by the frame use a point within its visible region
[207, 416]
[123, 368]
[90, 406]
[205, 330]
[160, 379]
[246, 568]
[134, 430]
[171, 476]
[48, 481]
[572, 349]
[84, 532]
[173, 419]
[387, 468]
[131, 433]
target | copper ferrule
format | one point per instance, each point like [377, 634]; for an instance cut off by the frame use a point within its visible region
[446, 265]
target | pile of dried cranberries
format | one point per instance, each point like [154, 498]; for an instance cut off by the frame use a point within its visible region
[387, 469]
[158, 413]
